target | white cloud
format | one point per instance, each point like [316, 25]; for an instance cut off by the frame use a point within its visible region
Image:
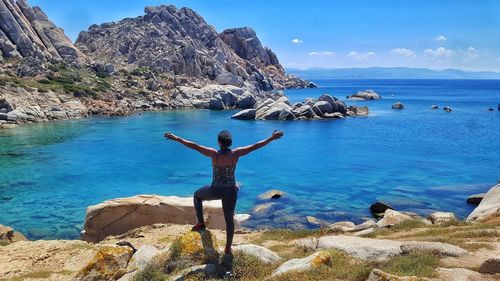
[403, 52]
[361, 56]
[441, 38]
[297, 41]
[324, 53]
[472, 53]
[439, 53]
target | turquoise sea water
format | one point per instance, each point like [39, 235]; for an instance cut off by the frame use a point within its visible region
[416, 159]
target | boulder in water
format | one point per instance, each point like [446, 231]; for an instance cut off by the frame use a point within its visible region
[379, 207]
[398, 105]
[245, 114]
[434, 107]
[365, 95]
[447, 109]
[489, 208]
[475, 199]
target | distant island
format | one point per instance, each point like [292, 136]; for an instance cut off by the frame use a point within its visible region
[390, 73]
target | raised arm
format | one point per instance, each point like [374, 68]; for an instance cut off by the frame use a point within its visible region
[207, 151]
[241, 151]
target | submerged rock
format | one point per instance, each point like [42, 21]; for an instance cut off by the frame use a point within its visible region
[398, 105]
[434, 107]
[271, 194]
[447, 109]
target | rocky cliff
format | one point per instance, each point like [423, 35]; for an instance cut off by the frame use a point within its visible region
[168, 58]
[26, 32]
[182, 43]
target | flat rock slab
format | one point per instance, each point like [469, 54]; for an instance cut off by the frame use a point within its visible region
[307, 263]
[262, 253]
[379, 275]
[378, 249]
[436, 247]
[363, 248]
[117, 216]
[462, 274]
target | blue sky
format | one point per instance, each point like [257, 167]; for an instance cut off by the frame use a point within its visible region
[437, 34]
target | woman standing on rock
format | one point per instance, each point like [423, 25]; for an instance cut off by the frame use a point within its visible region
[223, 184]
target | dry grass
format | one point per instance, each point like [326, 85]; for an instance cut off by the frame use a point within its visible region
[39, 275]
[420, 264]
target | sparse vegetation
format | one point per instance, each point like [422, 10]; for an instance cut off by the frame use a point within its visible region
[420, 264]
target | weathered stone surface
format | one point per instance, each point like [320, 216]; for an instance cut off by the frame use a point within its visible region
[207, 269]
[247, 100]
[27, 32]
[307, 263]
[441, 217]
[379, 207]
[489, 208]
[7, 234]
[476, 198]
[271, 194]
[109, 263]
[324, 107]
[117, 216]
[366, 95]
[363, 248]
[490, 266]
[436, 247]
[181, 42]
[379, 275]
[392, 217]
[461, 274]
[262, 253]
[245, 114]
[398, 105]
[366, 225]
[199, 246]
[343, 226]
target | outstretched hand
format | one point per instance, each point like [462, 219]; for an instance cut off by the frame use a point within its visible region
[171, 136]
[276, 135]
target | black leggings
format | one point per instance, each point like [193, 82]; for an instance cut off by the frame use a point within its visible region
[228, 195]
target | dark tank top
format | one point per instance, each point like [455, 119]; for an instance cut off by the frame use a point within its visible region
[223, 176]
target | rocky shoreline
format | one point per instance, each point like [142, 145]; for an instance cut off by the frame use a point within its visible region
[141, 234]
[169, 58]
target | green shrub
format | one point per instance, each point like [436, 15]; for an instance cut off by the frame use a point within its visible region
[150, 273]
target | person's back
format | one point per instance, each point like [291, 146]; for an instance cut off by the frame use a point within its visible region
[223, 184]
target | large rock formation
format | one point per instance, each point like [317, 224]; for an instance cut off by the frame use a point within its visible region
[181, 42]
[489, 208]
[26, 32]
[118, 216]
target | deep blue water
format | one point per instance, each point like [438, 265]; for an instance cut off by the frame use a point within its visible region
[416, 159]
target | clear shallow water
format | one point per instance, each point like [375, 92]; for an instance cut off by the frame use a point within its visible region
[416, 159]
